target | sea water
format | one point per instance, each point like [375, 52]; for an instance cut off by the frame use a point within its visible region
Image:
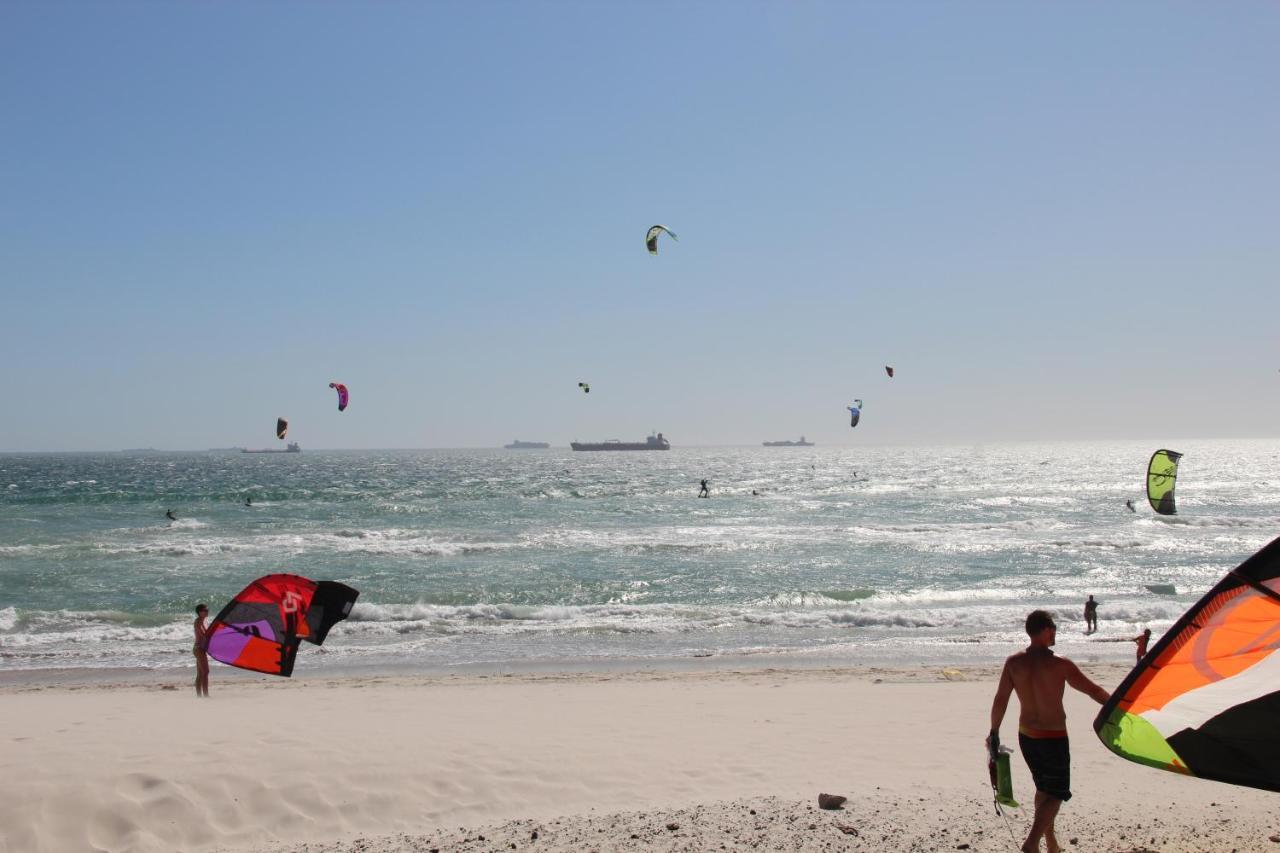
[497, 558]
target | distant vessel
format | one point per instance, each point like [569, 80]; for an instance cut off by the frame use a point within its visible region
[653, 442]
[800, 443]
[292, 448]
[527, 445]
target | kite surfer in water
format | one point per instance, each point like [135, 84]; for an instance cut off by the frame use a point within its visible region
[705, 492]
[201, 650]
[168, 513]
[1039, 678]
[1129, 504]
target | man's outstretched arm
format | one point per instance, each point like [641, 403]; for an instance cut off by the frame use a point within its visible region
[1081, 682]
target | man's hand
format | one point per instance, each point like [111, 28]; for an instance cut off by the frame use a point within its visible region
[993, 744]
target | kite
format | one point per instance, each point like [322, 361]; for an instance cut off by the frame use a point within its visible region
[1162, 472]
[1206, 700]
[262, 627]
[855, 413]
[282, 427]
[651, 238]
[342, 395]
[888, 370]
[586, 389]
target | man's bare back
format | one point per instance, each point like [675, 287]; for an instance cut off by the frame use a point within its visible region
[1040, 678]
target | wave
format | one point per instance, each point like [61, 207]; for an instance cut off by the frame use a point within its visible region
[1117, 543]
[1215, 521]
[404, 632]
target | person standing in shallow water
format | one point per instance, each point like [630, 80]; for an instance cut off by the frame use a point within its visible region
[201, 650]
[705, 492]
[1090, 616]
[1040, 677]
[1142, 640]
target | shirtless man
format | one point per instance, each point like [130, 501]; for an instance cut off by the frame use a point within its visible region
[1040, 677]
[201, 651]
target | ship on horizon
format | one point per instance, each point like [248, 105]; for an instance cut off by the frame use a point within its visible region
[527, 445]
[653, 442]
[292, 448]
[800, 443]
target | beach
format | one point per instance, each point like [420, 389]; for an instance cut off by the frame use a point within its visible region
[579, 648]
[653, 759]
[605, 427]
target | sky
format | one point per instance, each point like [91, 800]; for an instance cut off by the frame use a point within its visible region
[1055, 221]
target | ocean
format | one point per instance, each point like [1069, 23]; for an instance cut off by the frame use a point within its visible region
[496, 559]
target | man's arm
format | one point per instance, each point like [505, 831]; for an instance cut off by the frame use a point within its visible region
[1081, 682]
[1001, 702]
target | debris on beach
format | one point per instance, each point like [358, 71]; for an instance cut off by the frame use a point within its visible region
[831, 801]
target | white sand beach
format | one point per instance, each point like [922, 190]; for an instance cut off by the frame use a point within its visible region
[687, 760]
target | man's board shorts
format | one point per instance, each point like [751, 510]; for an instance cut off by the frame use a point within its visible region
[1048, 755]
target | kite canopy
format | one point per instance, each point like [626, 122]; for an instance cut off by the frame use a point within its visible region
[855, 413]
[651, 238]
[1162, 472]
[586, 389]
[888, 370]
[282, 427]
[1206, 700]
[342, 395]
[262, 627]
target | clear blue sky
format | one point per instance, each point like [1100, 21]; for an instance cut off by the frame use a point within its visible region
[1055, 220]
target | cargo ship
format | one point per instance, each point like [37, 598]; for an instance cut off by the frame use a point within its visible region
[527, 445]
[800, 443]
[653, 442]
[292, 448]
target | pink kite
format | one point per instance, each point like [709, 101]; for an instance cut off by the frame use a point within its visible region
[342, 394]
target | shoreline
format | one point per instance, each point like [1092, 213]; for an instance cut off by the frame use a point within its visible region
[586, 759]
[586, 668]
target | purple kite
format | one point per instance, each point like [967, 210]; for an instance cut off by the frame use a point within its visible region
[342, 395]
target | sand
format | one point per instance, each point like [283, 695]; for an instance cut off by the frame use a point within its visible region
[691, 760]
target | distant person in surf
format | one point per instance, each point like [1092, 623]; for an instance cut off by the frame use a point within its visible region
[168, 513]
[201, 650]
[1129, 504]
[1090, 616]
[1142, 640]
[1040, 677]
[705, 492]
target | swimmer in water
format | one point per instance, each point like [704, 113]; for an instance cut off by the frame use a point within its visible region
[248, 501]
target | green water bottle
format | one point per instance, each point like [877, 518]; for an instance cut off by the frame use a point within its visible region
[1004, 779]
